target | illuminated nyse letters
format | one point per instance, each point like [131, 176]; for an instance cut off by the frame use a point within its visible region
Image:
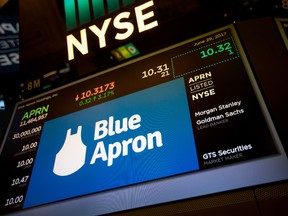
[123, 25]
[142, 17]
[100, 33]
[81, 46]
[118, 23]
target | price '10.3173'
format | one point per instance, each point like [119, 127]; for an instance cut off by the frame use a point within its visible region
[97, 90]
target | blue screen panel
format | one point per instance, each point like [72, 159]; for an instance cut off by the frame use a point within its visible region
[140, 137]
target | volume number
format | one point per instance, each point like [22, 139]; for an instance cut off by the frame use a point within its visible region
[26, 133]
[32, 120]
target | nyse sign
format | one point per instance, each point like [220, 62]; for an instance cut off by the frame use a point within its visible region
[144, 20]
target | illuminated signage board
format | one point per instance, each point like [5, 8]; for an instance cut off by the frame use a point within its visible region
[144, 21]
[185, 121]
[9, 44]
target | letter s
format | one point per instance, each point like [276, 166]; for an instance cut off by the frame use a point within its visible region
[123, 25]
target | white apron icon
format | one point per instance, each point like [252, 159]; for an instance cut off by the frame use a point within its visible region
[71, 156]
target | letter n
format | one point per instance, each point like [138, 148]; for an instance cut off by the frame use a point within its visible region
[81, 46]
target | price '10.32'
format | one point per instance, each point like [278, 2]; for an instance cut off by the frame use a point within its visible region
[218, 49]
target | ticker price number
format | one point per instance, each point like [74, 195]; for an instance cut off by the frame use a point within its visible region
[19, 181]
[218, 49]
[14, 200]
[163, 70]
[95, 91]
[98, 93]
[24, 163]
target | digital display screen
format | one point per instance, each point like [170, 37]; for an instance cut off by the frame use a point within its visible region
[185, 121]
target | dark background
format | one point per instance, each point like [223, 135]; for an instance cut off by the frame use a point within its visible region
[43, 49]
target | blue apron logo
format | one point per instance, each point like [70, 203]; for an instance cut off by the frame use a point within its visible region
[72, 155]
[137, 138]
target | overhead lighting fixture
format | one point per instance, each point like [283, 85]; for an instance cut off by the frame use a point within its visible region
[3, 2]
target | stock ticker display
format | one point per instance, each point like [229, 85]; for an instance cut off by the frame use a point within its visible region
[187, 108]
